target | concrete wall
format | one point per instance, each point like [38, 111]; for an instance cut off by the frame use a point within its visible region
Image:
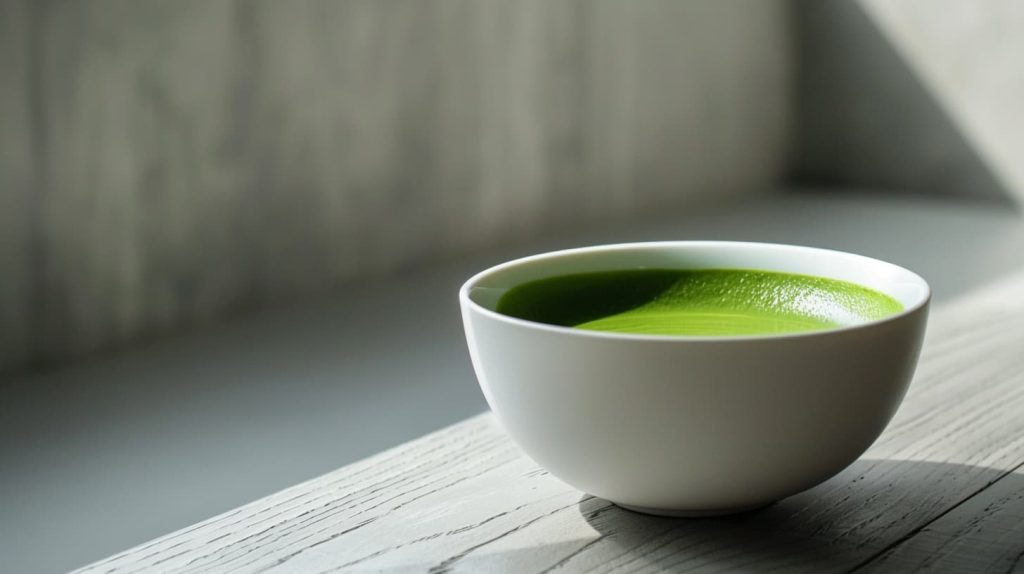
[968, 55]
[167, 163]
[17, 182]
[911, 96]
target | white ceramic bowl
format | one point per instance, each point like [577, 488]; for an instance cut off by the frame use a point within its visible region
[694, 425]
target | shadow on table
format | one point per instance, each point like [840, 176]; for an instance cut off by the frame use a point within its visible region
[861, 515]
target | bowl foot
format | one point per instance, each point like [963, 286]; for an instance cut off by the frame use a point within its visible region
[683, 513]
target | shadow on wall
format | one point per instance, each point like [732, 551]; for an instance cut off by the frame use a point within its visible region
[866, 119]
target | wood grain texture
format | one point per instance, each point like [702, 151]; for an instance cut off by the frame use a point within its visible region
[946, 473]
[206, 157]
[984, 534]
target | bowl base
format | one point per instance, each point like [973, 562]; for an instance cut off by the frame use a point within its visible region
[683, 513]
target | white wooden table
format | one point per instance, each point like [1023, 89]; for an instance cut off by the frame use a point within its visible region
[942, 489]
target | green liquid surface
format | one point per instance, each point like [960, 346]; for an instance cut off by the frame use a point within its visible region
[706, 302]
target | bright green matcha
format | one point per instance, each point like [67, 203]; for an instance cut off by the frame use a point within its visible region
[707, 302]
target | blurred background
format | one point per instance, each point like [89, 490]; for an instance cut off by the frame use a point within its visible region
[232, 232]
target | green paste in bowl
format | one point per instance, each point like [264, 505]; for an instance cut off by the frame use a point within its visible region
[705, 302]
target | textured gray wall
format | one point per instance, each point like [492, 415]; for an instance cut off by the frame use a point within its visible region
[968, 56]
[166, 163]
[16, 183]
[867, 117]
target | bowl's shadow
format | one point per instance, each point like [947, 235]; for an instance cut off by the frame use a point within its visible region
[863, 515]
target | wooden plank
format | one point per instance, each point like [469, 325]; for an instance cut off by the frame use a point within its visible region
[984, 534]
[465, 498]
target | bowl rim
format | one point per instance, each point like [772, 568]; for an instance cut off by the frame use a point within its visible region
[467, 302]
